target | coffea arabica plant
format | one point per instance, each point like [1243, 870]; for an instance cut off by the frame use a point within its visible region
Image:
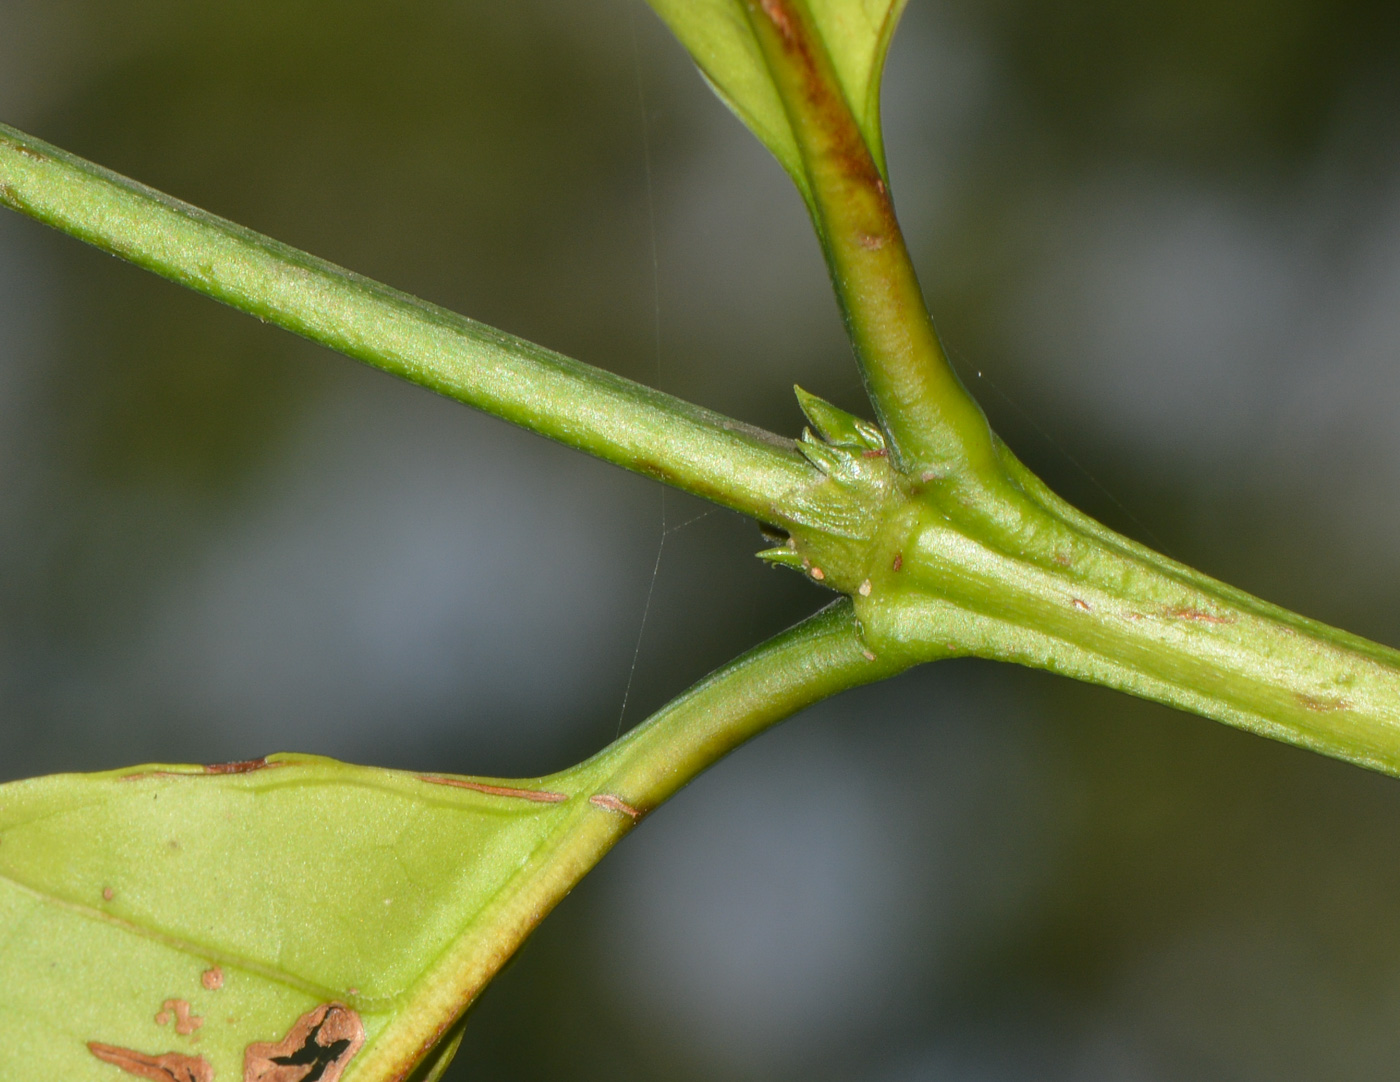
[381, 902]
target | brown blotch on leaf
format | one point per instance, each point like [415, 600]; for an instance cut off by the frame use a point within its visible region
[185, 1022]
[612, 803]
[212, 979]
[171, 1067]
[316, 1049]
[539, 796]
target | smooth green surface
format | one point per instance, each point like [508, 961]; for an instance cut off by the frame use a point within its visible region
[309, 881]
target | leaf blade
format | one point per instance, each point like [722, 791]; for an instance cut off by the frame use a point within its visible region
[855, 33]
[306, 883]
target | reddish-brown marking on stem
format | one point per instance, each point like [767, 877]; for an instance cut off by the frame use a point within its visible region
[1186, 612]
[612, 803]
[539, 796]
[844, 143]
[242, 766]
[1320, 705]
[171, 1067]
[781, 20]
[318, 1047]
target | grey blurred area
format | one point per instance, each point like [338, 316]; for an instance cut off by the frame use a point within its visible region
[1162, 241]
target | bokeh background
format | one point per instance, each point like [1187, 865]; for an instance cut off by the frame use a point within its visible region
[1162, 240]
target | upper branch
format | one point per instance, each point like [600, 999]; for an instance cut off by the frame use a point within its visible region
[933, 423]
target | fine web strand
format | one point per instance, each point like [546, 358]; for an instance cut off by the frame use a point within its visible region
[656, 347]
[1063, 451]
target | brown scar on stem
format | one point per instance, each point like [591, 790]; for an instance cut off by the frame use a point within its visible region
[846, 144]
[241, 766]
[212, 978]
[612, 803]
[185, 1022]
[1320, 705]
[1186, 612]
[539, 796]
[171, 1067]
[318, 1048]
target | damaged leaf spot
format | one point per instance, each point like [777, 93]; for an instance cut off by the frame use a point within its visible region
[185, 1022]
[317, 1049]
[171, 1067]
[540, 796]
[212, 979]
[612, 803]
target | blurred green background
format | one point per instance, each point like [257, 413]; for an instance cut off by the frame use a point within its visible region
[1162, 240]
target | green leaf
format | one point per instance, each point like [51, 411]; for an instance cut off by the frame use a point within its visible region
[196, 913]
[855, 34]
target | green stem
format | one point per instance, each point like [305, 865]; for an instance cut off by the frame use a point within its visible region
[934, 425]
[735, 465]
[1033, 581]
[614, 789]
[819, 657]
